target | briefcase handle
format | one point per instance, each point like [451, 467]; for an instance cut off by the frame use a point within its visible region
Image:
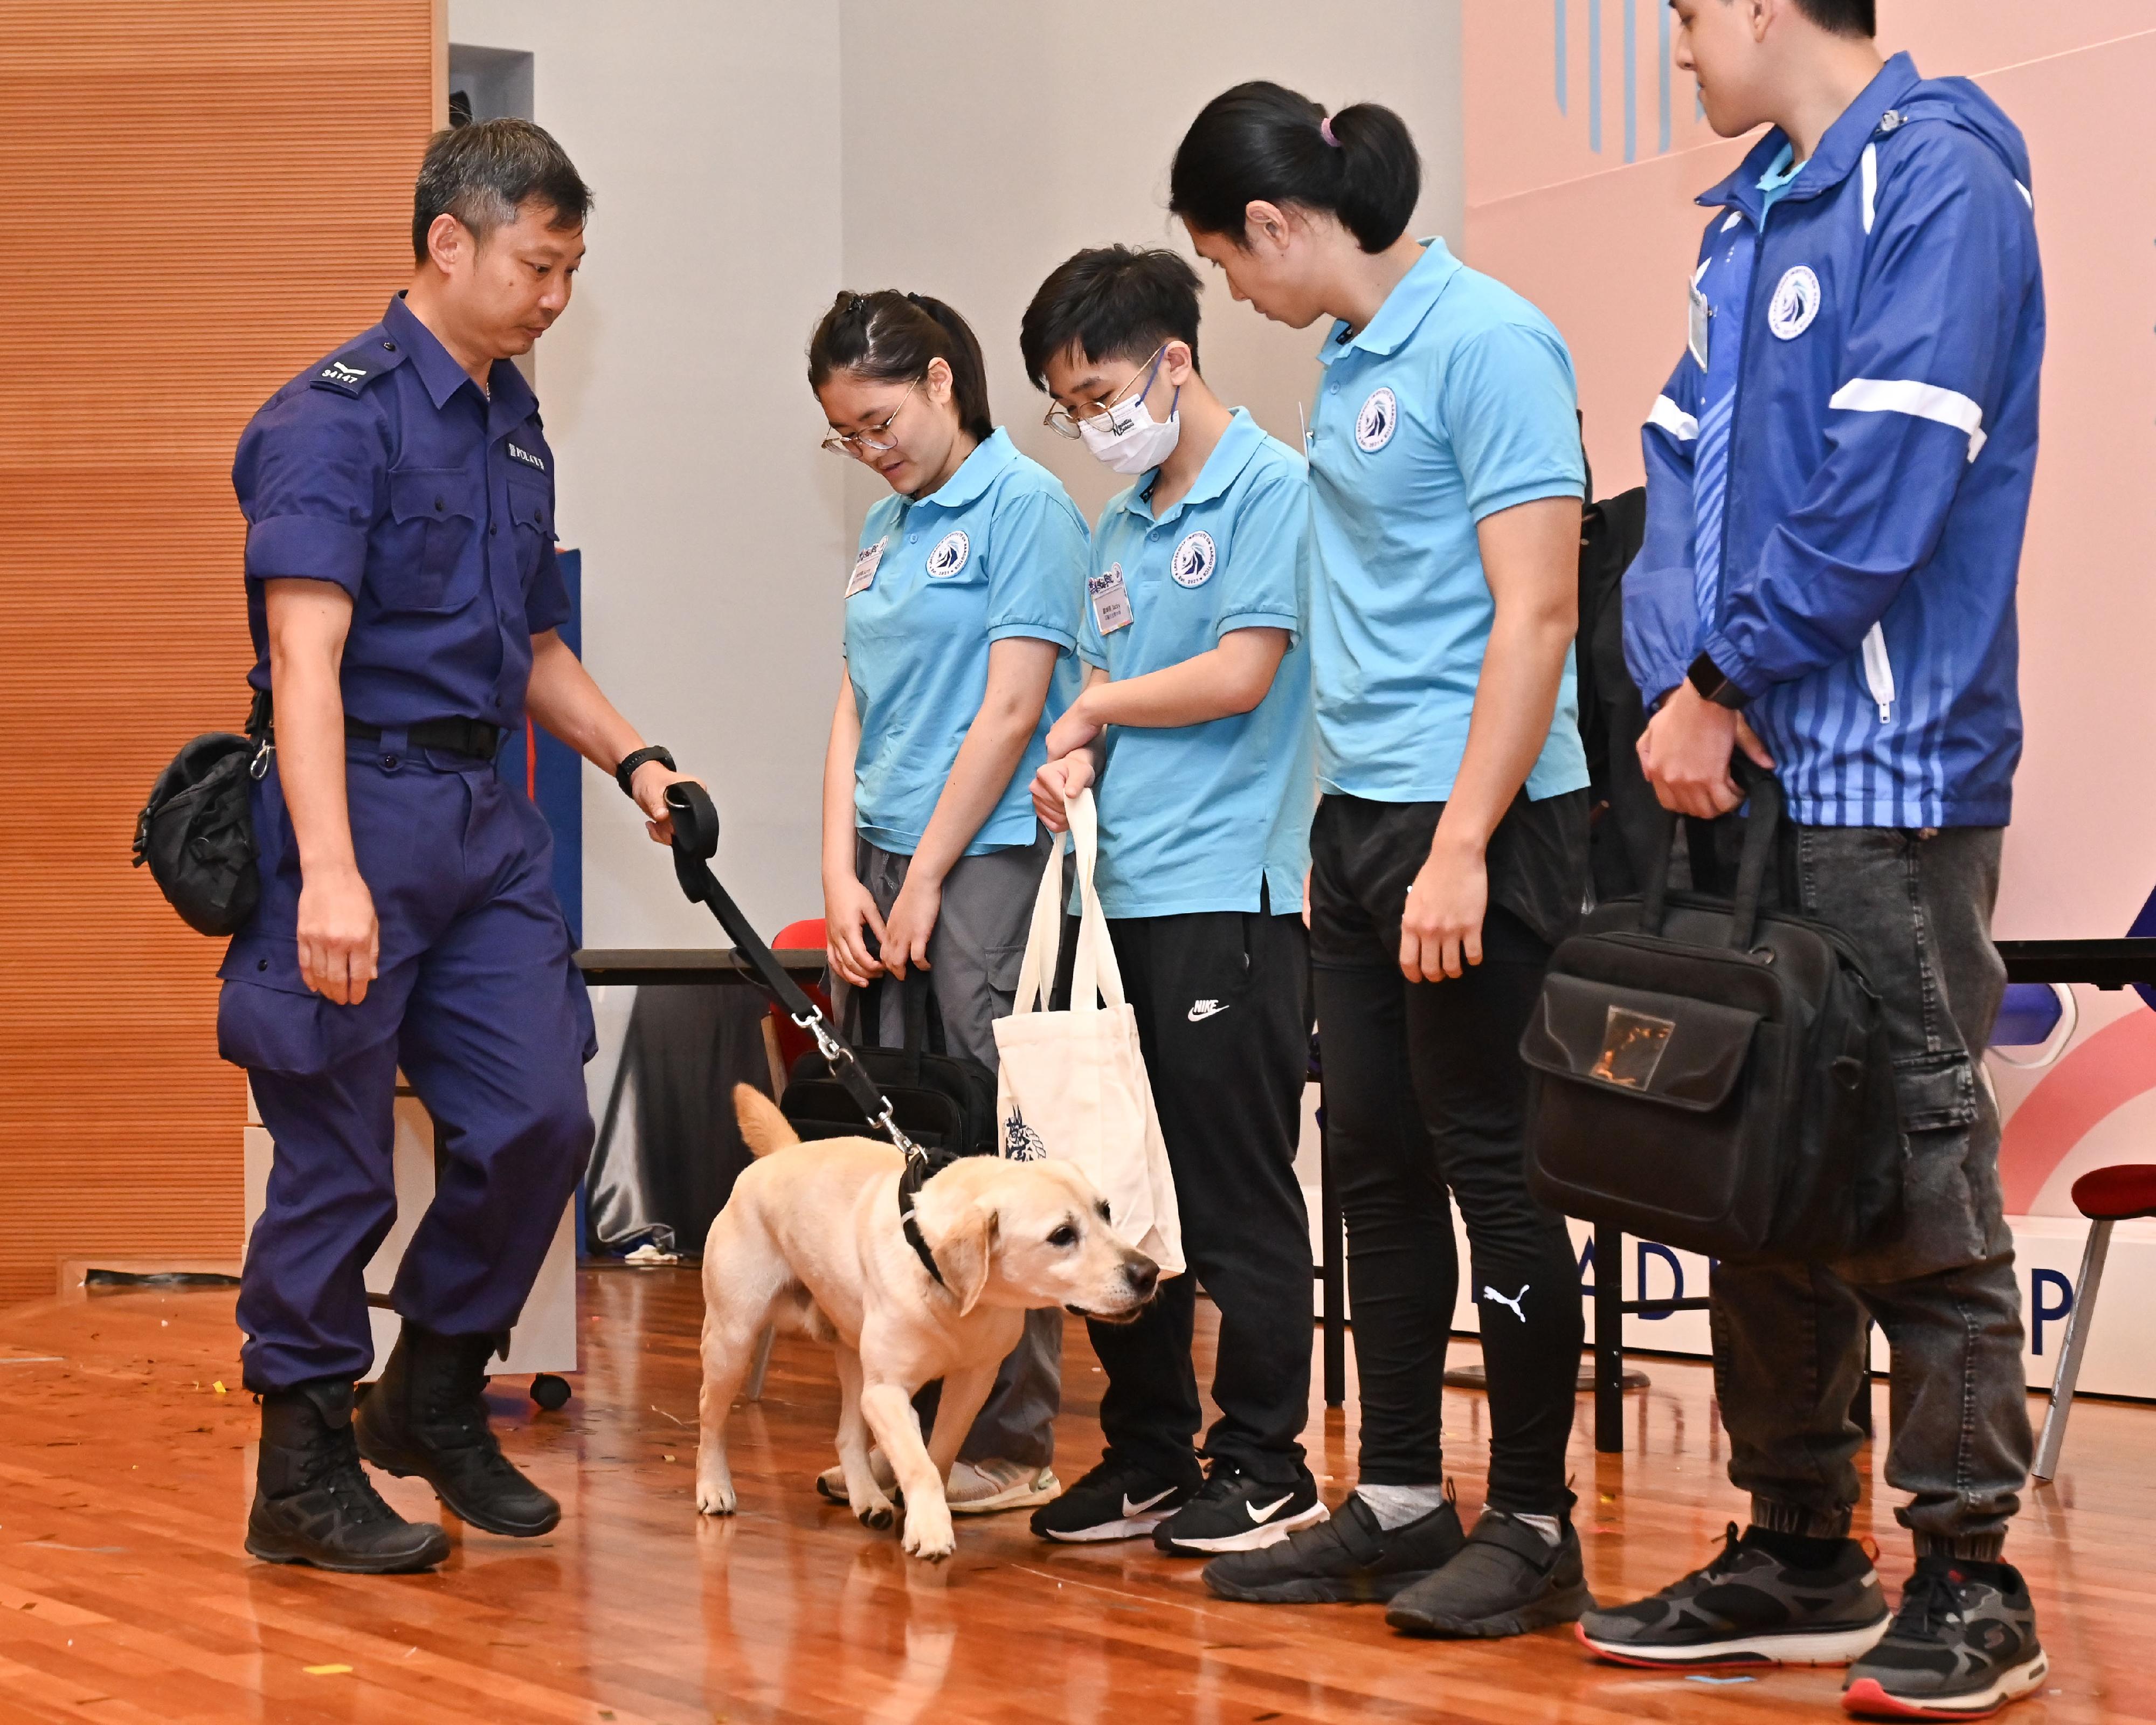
[1762, 829]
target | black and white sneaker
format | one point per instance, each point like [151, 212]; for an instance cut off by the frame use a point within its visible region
[1349, 1560]
[1747, 1607]
[1960, 1648]
[1113, 1501]
[1232, 1511]
[1508, 1580]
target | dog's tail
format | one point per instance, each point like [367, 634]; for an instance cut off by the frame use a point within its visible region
[763, 1128]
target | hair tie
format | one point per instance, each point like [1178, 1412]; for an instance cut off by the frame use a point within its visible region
[1325, 131]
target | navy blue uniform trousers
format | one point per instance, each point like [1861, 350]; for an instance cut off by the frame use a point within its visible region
[477, 1000]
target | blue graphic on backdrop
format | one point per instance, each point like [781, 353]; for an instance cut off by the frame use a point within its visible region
[1664, 71]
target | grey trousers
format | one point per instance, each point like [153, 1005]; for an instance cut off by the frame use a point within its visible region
[1789, 1341]
[973, 958]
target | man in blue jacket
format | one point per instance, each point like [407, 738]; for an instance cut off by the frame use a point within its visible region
[1838, 484]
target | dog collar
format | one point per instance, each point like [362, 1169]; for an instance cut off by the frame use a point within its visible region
[909, 1184]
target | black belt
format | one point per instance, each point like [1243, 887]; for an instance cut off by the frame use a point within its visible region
[471, 738]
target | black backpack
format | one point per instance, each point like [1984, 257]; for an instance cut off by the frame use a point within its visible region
[198, 835]
[1715, 1076]
[945, 1102]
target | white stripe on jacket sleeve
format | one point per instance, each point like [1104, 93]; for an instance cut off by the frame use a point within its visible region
[1870, 185]
[1673, 419]
[1925, 401]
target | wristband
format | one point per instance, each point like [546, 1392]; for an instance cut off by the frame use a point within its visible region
[637, 757]
[1707, 676]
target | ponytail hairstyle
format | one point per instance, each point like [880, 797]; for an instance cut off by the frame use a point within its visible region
[891, 337]
[1260, 141]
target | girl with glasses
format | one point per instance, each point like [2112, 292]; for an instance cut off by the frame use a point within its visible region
[961, 600]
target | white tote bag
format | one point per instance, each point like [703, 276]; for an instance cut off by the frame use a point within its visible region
[1073, 1084]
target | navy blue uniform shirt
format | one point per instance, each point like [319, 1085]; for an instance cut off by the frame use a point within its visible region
[386, 470]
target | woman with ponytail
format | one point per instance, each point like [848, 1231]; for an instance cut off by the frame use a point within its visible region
[1449, 851]
[962, 598]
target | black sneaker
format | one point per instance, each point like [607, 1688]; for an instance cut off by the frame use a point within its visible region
[1960, 1648]
[1747, 1607]
[1508, 1580]
[1348, 1560]
[1113, 1501]
[1232, 1511]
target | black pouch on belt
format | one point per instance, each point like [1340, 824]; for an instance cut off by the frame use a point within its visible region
[196, 833]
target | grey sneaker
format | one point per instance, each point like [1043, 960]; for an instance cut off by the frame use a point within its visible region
[1747, 1607]
[1507, 1580]
[1960, 1648]
[1346, 1560]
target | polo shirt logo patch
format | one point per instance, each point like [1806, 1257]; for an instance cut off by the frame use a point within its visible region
[1192, 566]
[1795, 304]
[949, 554]
[1379, 420]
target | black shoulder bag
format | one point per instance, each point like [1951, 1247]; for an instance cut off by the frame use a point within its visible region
[197, 832]
[1715, 1075]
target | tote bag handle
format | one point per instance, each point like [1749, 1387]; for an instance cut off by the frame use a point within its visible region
[1096, 977]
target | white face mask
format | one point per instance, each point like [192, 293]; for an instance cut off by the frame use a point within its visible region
[1127, 437]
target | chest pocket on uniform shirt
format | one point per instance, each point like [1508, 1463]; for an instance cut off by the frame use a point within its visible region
[533, 512]
[433, 566]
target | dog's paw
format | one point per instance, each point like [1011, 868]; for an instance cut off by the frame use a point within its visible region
[876, 1512]
[928, 1534]
[715, 1497]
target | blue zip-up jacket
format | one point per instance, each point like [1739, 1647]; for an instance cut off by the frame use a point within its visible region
[1841, 532]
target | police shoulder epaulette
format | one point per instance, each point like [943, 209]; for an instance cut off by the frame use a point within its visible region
[372, 356]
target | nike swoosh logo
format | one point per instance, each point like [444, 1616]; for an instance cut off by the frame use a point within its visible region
[1131, 1509]
[1271, 1510]
[1206, 1009]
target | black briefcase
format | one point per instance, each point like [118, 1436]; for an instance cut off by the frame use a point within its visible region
[1715, 1075]
[945, 1102]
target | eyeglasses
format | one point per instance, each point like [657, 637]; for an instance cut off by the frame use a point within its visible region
[1064, 421]
[853, 443]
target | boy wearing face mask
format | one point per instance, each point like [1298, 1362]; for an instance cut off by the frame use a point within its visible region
[1195, 726]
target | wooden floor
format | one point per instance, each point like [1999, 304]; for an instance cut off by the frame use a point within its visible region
[125, 1470]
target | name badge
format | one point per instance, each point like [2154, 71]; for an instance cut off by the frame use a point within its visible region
[1111, 599]
[864, 568]
[1701, 313]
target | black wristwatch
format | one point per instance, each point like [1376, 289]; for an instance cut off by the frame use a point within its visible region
[1707, 676]
[635, 758]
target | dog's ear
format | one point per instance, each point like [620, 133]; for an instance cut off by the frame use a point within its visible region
[763, 1128]
[962, 1251]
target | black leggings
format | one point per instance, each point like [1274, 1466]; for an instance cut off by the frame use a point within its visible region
[1424, 1092]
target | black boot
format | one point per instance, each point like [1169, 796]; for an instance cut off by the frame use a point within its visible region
[427, 1417]
[314, 1502]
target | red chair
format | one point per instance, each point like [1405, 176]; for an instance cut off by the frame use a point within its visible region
[2107, 1197]
[783, 1040]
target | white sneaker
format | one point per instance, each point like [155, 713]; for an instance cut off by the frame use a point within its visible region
[982, 1488]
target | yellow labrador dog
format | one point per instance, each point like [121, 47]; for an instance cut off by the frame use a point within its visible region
[811, 1239]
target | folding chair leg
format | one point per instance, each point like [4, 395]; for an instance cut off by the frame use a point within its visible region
[753, 1391]
[2069, 1361]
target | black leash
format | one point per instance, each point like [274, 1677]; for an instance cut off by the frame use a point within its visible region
[696, 842]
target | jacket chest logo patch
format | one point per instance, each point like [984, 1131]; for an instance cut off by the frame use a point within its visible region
[949, 554]
[1795, 304]
[1379, 420]
[1192, 566]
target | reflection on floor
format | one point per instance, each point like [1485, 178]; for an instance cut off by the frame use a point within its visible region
[126, 1461]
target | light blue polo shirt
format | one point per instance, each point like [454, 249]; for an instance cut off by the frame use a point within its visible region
[998, 552]
[1200, 816]
[1456, 400]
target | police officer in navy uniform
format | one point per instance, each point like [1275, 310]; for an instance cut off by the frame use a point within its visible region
[404, 601]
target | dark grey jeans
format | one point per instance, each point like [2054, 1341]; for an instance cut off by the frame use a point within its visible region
[1788, 1342]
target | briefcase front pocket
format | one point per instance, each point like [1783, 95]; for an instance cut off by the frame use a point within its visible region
[1652, 1109]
